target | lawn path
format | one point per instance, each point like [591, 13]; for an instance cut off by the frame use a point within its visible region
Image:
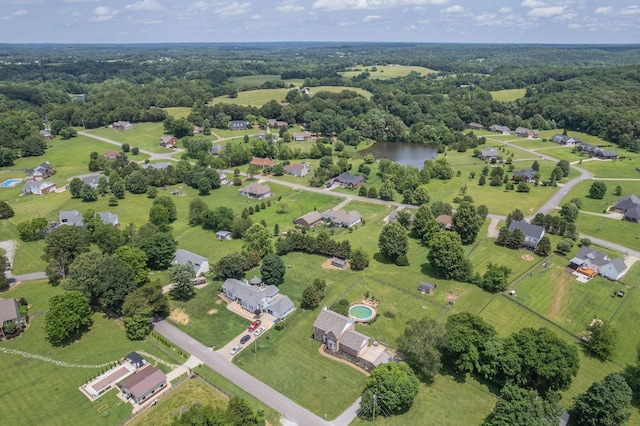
[53, 361]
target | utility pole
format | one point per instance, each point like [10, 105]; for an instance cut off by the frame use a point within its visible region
[375, 396]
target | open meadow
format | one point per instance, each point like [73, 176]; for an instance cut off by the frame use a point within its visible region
[260, 97]
[143, 135]
[508, 95]
[384, 72]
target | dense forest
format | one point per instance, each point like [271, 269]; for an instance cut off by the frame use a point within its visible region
[593, 89]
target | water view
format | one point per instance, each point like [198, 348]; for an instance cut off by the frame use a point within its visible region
[407, 154]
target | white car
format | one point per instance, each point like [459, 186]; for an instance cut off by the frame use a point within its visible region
[236, 349]
[258, 331]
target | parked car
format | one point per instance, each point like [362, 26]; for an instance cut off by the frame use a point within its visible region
[259, 331]
[236, 349]
[254, 325]
[245, 339]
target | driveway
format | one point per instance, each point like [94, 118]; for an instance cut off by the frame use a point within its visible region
[269, 396]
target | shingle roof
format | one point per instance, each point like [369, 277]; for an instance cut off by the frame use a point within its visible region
[282, 305]
[341, 216]
[309, 218]
[9, 310]
[108, 218]
[353, 340]
[349, 179]
[183, 257]
[256, 189]
[489, 152]
[529, 174]
[609, 153]
[71, 217]
[143, 381]
[628, 202]
[160, 166]
[614, 269]
[529, 230]
[595, 257]
[329, 321]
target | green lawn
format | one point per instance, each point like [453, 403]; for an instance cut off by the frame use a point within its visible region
[614, 169]
[251, 81]
[599, 206]
[51, 388]
[260, 97]
[143, 135]
[627, 318]
[385, 72]
[508, 95]
[178, 112]
[617, 231]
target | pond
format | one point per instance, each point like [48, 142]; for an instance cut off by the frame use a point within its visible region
[406, 154]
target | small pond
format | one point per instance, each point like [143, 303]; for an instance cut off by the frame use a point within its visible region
[406, 154]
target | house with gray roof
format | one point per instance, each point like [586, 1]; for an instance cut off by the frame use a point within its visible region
[256, 190]
[298, 170]
[565, 140]
[629, 206]
[223, 235]
[71, 218]
[200, 264]
[489, 154]
[523, 132]
[239, 125]
[168, 141]
[342, 218]
[500, 129]
[254, 298]
[9, 311]
[46, 134]
[347, 180]
[143, 384]
[532, 233]
[528, 175]
[162, 165]
[589, 258]
[353, 343]
[42, 171]
[108, 218]
[216, 149]
[329, 327]
[92, 180]
[310, 219]
[609, 154]
[38, 187]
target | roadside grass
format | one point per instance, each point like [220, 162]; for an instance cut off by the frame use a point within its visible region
[210, 321]
[622, 232]
[581, 191]
[564, 153]
[615, 169]
[385, 72]
[289, 361]
[508, 95]
[178, 112]
[178, 400]
[143, 135]
[229, 388]
[445, 402]
[54, 389]
[236, 134]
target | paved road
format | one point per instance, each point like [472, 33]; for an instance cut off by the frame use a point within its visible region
[289, 409]
[612, 246]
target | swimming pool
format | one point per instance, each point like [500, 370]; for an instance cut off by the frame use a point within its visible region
[362, 313]
[9, 183]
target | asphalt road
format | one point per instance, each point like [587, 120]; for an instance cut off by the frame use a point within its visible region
[289, 409]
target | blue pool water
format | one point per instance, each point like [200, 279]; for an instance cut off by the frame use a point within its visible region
[9, 183]
[361, 312]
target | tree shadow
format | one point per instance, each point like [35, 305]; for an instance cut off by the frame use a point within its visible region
[71, 339]
[378, 257]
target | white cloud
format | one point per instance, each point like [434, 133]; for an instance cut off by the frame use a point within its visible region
[370, 18]
[79, 1]
[103, 13]
[487, 19]
[235, 8]
[145, 5]
[546, 12]
[631, 10]
[603, 10]
[154, 22]
[346, 23]
[453, 9]
[201, 5]
[20, 12]
[289, 6]
[371, 4]
[505, 10]
[533, 3]
[256, 17]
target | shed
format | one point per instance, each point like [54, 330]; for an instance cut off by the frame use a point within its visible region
[339, 263]
[223, 235]
[136, 360]
[427, 288]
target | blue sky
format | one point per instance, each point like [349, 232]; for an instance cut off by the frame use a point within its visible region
[477, 21]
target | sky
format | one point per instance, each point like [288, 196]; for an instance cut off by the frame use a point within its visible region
[432, 21]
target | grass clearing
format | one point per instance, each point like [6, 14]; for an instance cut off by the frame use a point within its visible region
[178, 112]
[615, 169]
[508, 95]
[260, 97]
[251, 81]
[143, 135]
[385, 72]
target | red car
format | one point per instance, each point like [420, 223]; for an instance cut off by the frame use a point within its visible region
[254, 325]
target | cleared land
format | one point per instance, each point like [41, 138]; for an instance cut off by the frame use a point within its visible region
[178, 112]
[260, 79]
[262, 96]
[385, 72]
[143, 135]
[508, 95]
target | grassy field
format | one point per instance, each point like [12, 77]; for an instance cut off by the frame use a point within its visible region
[599, 206]
[616, 169]
[617, 231]
[250, 81]
[143, 135]
[51, 388]
[178, 400]
[385, 72]
[260, 97]
[508, 95]
[178, 112]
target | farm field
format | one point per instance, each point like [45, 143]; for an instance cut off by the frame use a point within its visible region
[53, 388]
[385, 72]
[260, 97]
[508, 95]
[143, 135]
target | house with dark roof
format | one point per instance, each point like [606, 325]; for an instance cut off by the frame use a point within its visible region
[43, 171]
[239, 125]
[347, 180]
[427, 288]
[122, 125]
[199, 263]
[299, 170]
[262, 162]
[277, 123]
[475, 126]
[590, 261]
[489, 154]
[310, 219]
[143, 384]
[254, 298]
[629, 206]
[609, 154]
[256, 190]
[301, 136]
[342, 218]
[500, 129]
[565, 140]
[40, 187]
[135, 359]
[168, 141]
[353, 343]
[528, 175]
[92, 180]
[216, 149]
[162, 165]
[532, 233]
[71, 218]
